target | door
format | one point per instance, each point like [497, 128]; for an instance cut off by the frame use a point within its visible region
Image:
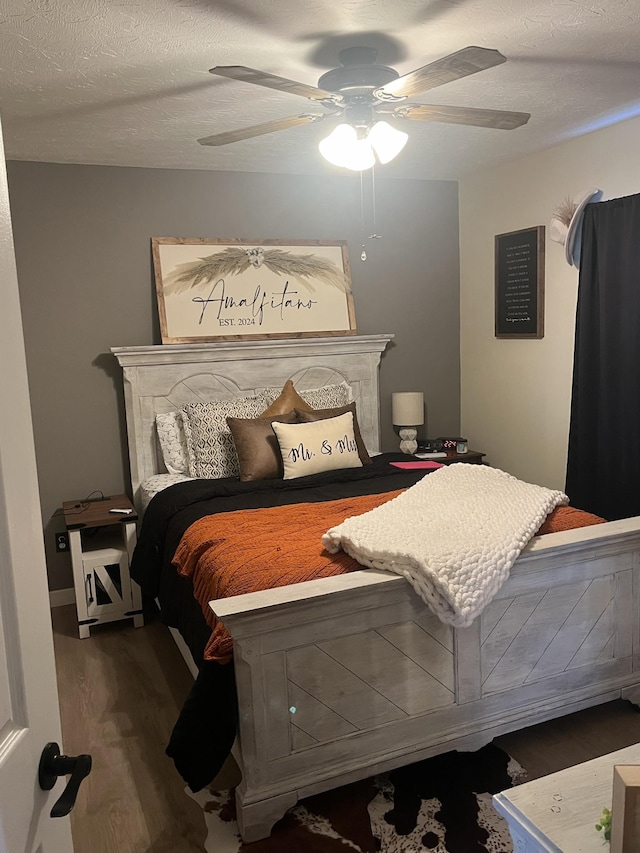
[29, 712]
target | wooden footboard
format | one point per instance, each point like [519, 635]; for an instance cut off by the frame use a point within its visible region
[347, 676]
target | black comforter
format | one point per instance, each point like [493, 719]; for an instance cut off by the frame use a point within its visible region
[205, 731]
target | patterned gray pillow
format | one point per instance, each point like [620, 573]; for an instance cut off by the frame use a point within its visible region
[327, 397]
[209, 441]
[172, 442]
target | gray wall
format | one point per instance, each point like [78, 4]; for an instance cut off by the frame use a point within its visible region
[82, 237]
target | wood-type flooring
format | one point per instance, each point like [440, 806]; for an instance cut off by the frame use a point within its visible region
[120, 692]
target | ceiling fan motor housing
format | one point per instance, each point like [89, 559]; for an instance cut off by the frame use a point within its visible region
[359, 77]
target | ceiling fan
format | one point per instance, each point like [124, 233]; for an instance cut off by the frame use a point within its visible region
[366, 94]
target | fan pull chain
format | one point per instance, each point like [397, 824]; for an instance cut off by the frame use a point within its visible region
[374, 235]
[363, 254]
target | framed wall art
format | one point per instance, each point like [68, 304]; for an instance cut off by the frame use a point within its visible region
[519, 283]
[215, 289]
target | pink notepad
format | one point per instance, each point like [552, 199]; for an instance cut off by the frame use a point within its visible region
[421, 464]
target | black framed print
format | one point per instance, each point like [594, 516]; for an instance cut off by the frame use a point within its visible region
[519, 283]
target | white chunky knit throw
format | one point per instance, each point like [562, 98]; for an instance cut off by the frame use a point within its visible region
[454, 535]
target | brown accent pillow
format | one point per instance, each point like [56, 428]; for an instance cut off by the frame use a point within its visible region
[287, 400]
[306, 416]
[257, 446]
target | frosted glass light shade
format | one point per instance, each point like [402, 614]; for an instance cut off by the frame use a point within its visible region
[386, 141]
[343, 148]
[407, 408]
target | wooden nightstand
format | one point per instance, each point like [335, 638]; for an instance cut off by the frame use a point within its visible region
[472, 456]
[101, 544]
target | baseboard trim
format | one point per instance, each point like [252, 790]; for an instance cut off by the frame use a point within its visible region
[60, 597]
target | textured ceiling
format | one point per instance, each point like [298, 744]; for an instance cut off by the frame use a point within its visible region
[127, 83]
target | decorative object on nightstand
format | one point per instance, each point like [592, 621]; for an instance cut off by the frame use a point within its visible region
[102, 536]
[407, 412]
[457, 444]
[625, 809]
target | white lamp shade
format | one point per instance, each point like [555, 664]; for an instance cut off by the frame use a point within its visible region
[407, 408]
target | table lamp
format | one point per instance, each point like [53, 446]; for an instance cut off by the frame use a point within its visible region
[407, 412]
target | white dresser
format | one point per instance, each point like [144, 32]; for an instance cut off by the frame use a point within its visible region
[558, 813]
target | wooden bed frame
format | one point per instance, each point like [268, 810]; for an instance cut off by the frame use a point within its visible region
[344, 677]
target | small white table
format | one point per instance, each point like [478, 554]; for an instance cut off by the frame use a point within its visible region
[101, 544]
[558, 813]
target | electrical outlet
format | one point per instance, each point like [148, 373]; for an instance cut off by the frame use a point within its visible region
[62, 541]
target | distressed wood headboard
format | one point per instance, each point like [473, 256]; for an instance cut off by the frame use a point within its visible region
[163, 378]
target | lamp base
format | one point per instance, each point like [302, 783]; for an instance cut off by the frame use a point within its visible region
[408, 443]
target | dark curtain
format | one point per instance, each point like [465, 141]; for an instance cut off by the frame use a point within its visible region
[603, 466]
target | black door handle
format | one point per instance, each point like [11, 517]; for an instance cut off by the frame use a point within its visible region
[52, 765]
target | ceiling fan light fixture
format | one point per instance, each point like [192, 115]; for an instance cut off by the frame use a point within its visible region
[386, 141]
[343, 148]
[361, 90]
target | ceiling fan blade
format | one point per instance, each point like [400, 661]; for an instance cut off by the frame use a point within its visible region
[271, 81]
[464, 62]
[497, 119]
[259, 129]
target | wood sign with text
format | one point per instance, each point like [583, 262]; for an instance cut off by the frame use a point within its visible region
[215, 289]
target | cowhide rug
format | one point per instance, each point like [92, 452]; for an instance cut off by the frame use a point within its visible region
[442, 804]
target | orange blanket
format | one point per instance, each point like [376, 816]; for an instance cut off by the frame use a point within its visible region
[568, 518]
[248, 550]
[253, 549]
